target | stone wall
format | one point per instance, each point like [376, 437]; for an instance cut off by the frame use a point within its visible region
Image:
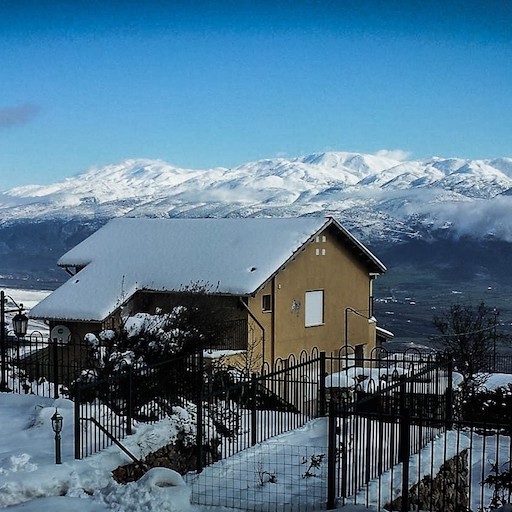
[447, 492]
[176, 456]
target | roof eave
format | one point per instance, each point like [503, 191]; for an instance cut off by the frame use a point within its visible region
[379, 266]
[70, 319]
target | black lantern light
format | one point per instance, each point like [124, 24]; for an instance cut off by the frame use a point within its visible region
[57, 421]
[20, 323]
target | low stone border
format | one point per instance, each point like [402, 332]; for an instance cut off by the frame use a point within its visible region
[448, 491]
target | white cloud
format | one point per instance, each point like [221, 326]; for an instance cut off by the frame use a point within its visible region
[477, 218]
[396, 154]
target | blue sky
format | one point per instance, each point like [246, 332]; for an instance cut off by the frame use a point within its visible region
[204, 84]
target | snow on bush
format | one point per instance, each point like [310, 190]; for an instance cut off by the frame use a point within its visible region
[107, 335]
[185, 421]
[121, 360]
[92, 339]
[88, 375]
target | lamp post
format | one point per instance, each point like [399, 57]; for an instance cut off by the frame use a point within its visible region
[355, 312]
[57, 421]
[20, 324]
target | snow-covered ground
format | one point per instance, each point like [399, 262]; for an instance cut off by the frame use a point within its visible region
[29, 473]
[271, 472]
[31, 481]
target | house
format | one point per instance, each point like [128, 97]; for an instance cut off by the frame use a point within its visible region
[289, 284]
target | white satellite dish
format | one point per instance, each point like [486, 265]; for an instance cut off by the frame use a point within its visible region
[60, 334]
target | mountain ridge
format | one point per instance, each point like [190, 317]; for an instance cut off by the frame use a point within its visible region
[377, 196]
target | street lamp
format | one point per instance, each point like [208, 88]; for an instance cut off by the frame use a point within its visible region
[57, 421]
[20, 324]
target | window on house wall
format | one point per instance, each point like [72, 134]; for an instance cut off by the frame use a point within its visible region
[314, 308]
[266, 302]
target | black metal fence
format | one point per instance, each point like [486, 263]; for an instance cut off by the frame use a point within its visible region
[35, 365]
[300, 390]
[398, 430]
[134, 394]
[454, 471]
[409, 445]
[272, 476]
[398, 439]
[499, 363]
[231, 410]
[249, 410]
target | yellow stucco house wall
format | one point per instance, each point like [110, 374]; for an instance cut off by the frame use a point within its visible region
[321, 298]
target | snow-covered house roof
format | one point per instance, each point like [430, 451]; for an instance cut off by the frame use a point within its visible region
[234, 256]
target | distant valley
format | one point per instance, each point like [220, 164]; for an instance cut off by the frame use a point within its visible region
[443, 227]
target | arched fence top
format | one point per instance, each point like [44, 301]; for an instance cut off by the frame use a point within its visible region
[283, 363]
[32, 337]
[410, 359]
[346, 351]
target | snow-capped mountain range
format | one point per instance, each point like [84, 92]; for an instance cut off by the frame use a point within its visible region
[376, 196]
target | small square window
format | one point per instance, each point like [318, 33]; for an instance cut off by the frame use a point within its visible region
[266, 302]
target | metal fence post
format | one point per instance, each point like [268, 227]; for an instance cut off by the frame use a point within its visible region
[404, 454]
[129, 401]
[200, 419]
[55, 369]
[331, 458]
[449, 396]
[321, 389]
[404, 445]
[254, 398]
[344, 454]
[77, 425]
[3, 343]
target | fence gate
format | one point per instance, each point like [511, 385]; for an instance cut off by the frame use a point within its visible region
[412, 445]
[249, 412]
[375, 431]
